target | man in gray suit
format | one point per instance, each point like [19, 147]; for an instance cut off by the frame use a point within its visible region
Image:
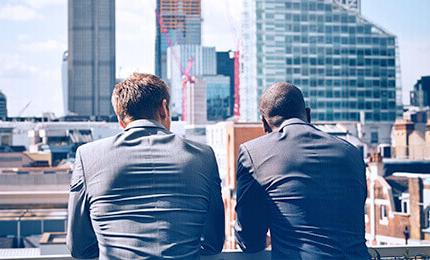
[305, 186]
[145, 193]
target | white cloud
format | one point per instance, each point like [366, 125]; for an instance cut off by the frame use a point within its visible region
[129, 18]
[20, 13]
[135, 36]
[44, 3]
[17, 70]
[221, 23]
[17, 66]
[43, 46]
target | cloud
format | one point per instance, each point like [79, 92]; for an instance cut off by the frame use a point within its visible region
[44, 3]
[43, 46]
[20, 13]
[17, 70]
[135, 36]
[221, 23]
[17, 66]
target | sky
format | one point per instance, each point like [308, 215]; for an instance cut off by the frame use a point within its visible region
[34, 37]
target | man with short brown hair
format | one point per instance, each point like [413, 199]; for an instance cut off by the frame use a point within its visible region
[145, 193]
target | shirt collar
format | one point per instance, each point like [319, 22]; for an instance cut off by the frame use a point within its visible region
[144, 123]
[292, 121]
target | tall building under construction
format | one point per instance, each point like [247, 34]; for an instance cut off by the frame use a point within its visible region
[178, 22]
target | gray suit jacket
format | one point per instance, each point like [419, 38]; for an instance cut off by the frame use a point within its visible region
[308, 188]
[145, 194]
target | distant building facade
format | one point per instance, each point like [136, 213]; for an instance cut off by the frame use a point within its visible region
[91, 56]
[3, 106]
[178, 22]
[398, 202]
[411, 136]
[225, 139]
[217, 97]
[198, 60]
[342, 62]
[420, 95]
[225, 66]
[354, 5]
[195, 102]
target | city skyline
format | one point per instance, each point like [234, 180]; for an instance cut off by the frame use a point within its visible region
[30, 68]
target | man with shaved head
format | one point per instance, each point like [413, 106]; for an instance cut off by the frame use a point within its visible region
[305, 186]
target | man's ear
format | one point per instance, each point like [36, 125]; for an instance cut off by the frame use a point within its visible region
[121, 123]
[164, 110]
[308, 114]
[266, 126]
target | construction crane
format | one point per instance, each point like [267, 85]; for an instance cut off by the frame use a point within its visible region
[236, 57]
[23, 109]
[187, 78]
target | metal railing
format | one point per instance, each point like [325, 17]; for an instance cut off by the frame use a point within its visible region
[376, 252]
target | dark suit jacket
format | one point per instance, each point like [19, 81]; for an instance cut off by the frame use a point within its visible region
[145, 194]
[308, 188]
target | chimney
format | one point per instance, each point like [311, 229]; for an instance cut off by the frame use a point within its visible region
[376, 165]
[416, 207]
[401, 131]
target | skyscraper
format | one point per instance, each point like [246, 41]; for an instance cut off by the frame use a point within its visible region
[343, 63]
[91, 60]
[225, 66]
[3, 106]
[178, 22]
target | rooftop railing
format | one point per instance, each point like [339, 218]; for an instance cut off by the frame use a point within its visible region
[376, 252]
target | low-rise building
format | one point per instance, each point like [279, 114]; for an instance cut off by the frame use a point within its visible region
[411, 135]
[398, 202]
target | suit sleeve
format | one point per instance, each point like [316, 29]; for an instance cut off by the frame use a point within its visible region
[81, 239]
[212, 240]
[251, 208]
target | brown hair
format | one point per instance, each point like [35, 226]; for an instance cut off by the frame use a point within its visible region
[139, 96]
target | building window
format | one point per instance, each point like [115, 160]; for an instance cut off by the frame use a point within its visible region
[404, 203]
[374, 137]
[366, 216]
[383, 214]
[405, 206]
[427, 217]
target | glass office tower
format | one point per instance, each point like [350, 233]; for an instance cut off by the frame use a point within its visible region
[91, 57]
[343, 63]
[217, 97]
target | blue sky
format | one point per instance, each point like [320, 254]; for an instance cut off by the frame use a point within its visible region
[34, 36]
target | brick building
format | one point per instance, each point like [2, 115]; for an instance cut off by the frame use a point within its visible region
[398, 201]
[225, 139]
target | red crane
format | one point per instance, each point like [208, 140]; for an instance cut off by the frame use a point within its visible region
[187, 78]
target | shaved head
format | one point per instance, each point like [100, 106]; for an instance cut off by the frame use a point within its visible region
[282, 101]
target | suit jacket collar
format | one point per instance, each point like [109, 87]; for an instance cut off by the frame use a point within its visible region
[144, 123]
[292, 121]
